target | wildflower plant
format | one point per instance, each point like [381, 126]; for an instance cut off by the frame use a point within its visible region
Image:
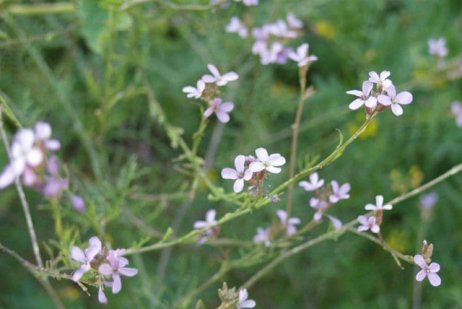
[207, 150]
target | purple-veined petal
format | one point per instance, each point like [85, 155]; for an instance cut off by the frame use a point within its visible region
[367, 87]
[229, 173]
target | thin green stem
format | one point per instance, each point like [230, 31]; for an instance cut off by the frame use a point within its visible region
[41, 9]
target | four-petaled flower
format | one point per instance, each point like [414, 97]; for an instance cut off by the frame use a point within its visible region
[381, 80]
[43, 135]
[85, 257]
[244, 302]
[220, 108]
[364, 97]
[314, 183]
[217, 78]
[239, 174]
[429, 271]
[378, 205]
[195, 93]
[237, 26]
[437, 47]
[288, 223]
[115, 268]
[339, 192]
[267, 162]
[395, 100]
[263, 236]
[301, 55]
[320, 205]
[207, 225]
[368, 223]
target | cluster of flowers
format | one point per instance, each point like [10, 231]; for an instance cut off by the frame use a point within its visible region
[269, 40]
[230, 298]
[325, 196]
[32, 158]
[253, 169]
[382, 97]
[207, 89]
[106, 263]
[286, 224]
[428, 269]
[374, 221]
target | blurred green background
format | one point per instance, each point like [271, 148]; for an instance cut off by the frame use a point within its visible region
[96, 74]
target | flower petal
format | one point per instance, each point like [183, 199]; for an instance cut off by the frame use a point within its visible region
[434, 279]
[397, 109]
[128, 272]
[404, 97]
[238, 185]
[229, 173]
[262, 154]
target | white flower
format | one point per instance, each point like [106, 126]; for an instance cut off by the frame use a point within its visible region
[267, 162]
[244, 302]
[364, 97]
[239, 174]
[288, 223]
[429, 271]
[301, 55]
[378, 205]
[395, 100]
[314, 183]
[381, 80]
[195, 93]
[217, 78]
[262, 236]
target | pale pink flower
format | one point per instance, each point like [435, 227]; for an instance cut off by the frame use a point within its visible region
[427, 271]
[237, 26]
[294, 22]
[217, 78]
[437, 47]
[78, 203]
[288, 223]
[364, 97]
[101, 296]
[301, 55]
[117, 267]
[244, 302]
[195, 93]
[240, 174]
[381, 80]
[378, 205]
[24, 154]
[428, 201]
[220, 108]
[267, 162]
[339, 192]
[395, 100]
[263, 236]
[320, 205]
[368, 223]
[314, 183]
[85, 257]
